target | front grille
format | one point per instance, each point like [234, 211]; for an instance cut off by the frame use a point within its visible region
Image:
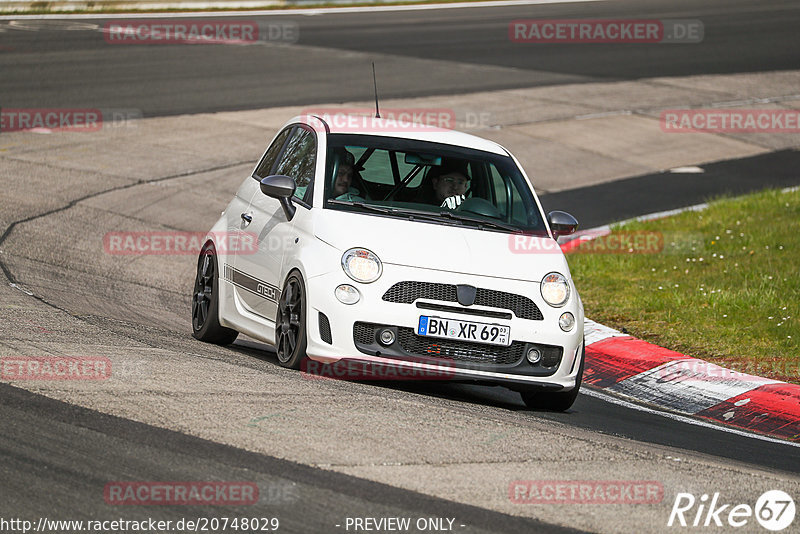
[464, 311]
[364, 333]
[408, 343]
[325, 328]
[462, 351]
[408, 292]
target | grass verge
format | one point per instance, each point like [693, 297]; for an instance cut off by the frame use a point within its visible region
[721, 284]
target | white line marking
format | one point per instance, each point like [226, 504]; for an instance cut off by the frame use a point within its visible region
[37, 25]
[750, 101]
[682, 418]
[667, 213]
[308, 12]
[15, 286]
[689, 169]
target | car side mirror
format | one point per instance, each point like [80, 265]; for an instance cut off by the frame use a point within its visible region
[281, 188]
[561, 223]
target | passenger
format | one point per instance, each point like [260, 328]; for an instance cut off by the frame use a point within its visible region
[450, 183]
[342, 184]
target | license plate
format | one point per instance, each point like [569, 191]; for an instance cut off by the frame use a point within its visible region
[491, 334]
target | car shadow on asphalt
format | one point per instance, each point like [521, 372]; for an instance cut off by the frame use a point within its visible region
[480, 395]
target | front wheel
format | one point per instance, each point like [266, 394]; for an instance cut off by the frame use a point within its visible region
[560, 401]
[205, 301]
[291, 324]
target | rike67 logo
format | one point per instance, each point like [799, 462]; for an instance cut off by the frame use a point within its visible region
[774, 510]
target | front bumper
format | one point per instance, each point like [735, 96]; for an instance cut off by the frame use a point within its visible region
[349, 332]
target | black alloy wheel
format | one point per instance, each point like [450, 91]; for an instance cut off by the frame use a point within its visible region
[205, 303]
[290, 328]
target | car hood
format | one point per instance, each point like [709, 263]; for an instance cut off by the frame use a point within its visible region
[447, 248]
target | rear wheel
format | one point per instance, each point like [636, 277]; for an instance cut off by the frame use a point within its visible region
[205, 301]
[560, 401]
[291, 324]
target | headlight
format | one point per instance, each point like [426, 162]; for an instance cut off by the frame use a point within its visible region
[362, 265]
[555, 290]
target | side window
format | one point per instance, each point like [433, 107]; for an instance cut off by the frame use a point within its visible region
[508, 198]
[500, 191]
[299, 160]
[271, 155]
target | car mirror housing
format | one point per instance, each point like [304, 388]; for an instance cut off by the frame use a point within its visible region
[561, 223]
[282, 188]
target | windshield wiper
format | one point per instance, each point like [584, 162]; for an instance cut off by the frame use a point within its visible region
[484, 222]
[455, 218]
[410, 214]
[360, 204]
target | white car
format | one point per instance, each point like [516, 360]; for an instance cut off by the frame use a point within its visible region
[418, 248]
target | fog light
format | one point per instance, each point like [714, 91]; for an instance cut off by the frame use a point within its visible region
[566, 321]
[386, 337]
[347, 294]
[534, 355]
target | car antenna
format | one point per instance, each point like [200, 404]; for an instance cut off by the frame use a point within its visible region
[375, 84]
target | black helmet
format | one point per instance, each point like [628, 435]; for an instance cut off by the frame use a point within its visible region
[449, 166]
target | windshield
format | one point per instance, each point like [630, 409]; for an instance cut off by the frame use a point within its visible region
[432, 182]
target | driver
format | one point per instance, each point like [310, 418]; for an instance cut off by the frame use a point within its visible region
[450, 184]
[342, 184]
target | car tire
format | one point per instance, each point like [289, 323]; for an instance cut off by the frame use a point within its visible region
[205, 301]
[290, 327]
[557, 402]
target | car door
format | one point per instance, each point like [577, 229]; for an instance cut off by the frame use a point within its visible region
[260, 272]
[241, 219]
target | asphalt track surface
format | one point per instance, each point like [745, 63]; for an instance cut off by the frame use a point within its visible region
[68, 453]
[626, 199]
[53, 448]
[417, 53]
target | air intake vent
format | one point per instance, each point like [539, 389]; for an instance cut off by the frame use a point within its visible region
[408, 292]
[325, 328]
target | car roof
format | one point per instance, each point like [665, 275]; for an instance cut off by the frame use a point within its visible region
[387, 127]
